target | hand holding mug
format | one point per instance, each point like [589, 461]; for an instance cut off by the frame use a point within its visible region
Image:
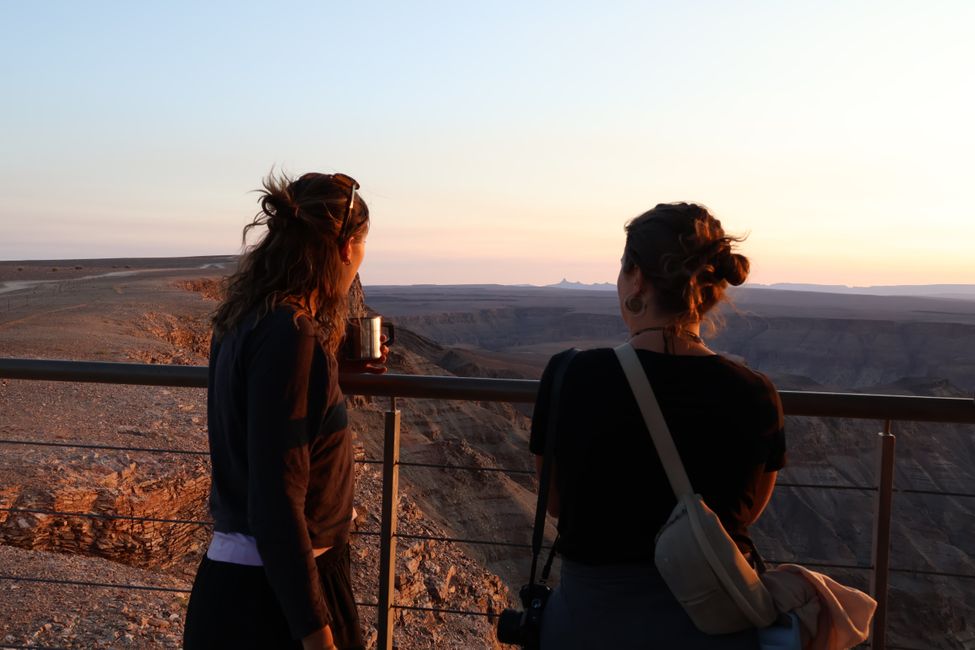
[365, 348]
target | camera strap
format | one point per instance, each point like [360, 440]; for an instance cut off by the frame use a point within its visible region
[544, 478]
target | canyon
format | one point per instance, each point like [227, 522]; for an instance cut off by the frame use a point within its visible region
[137, 311]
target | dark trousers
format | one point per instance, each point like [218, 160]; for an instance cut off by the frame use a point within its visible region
[232, 606]
[624, 607]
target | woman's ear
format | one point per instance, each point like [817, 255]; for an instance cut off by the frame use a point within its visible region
[345, 251]
[635, 282]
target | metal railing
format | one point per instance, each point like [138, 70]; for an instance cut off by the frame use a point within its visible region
[885, 408]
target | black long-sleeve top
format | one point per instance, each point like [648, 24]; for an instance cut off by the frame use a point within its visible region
[281, 454]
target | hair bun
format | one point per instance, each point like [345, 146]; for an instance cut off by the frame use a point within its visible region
[281, 210]
[277, 218]
[732, 267]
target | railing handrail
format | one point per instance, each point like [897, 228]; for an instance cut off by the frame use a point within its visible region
[800, 403]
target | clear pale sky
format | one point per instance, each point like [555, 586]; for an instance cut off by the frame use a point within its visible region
[499, 141]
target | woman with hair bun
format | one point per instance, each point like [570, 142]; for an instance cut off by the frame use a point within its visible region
[608, 487]
[276, 573]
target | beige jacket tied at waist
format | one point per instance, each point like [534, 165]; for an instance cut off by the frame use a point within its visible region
[832, 616]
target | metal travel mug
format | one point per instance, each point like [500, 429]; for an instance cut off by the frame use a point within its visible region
[363, 338]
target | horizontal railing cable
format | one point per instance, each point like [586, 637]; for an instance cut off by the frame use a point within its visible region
[158, 520]
[439, 610]
[99, 515]
[197, 522]
[166, 450]
[152, 450]
[83, 445]
[964, 495]
[470, 468]
[863, 567]
[827, 486]
[112, 585]
[872, 488]
[821, 565]
[461, 540]
[940, 574]
[88, 583]
[489, 615]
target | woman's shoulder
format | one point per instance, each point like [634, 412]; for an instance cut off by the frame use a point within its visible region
[280, 327]
[737, 370]
[593, 371]
[284, 318]
[749, 391]
[579, 359]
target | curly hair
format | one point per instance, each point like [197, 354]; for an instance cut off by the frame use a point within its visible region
[296, 261]
[685, 255]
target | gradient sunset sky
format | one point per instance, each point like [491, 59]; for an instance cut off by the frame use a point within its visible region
[499, 142]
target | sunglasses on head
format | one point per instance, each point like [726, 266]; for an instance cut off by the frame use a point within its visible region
[352, 185]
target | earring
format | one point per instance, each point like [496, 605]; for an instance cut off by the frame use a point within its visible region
[634, 304]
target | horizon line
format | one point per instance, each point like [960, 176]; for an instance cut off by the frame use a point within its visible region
[782, 285]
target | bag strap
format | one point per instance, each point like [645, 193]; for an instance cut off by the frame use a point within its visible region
[654, 419]
[664, 443]
[546, 472]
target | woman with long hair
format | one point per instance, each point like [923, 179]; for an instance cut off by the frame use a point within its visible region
[608, 487]
[276, 573]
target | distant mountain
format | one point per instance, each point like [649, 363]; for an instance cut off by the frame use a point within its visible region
[957, 291]
[953, 291]
[566, 284]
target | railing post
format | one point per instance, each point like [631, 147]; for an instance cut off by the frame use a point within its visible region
[387, 532]
[881, 536]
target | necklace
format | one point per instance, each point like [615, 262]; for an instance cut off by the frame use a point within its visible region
[679, 332]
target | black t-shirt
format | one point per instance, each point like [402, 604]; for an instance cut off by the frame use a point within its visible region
[727, 424]
[281, 454]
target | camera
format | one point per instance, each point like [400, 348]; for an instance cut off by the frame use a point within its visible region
[524, 627]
